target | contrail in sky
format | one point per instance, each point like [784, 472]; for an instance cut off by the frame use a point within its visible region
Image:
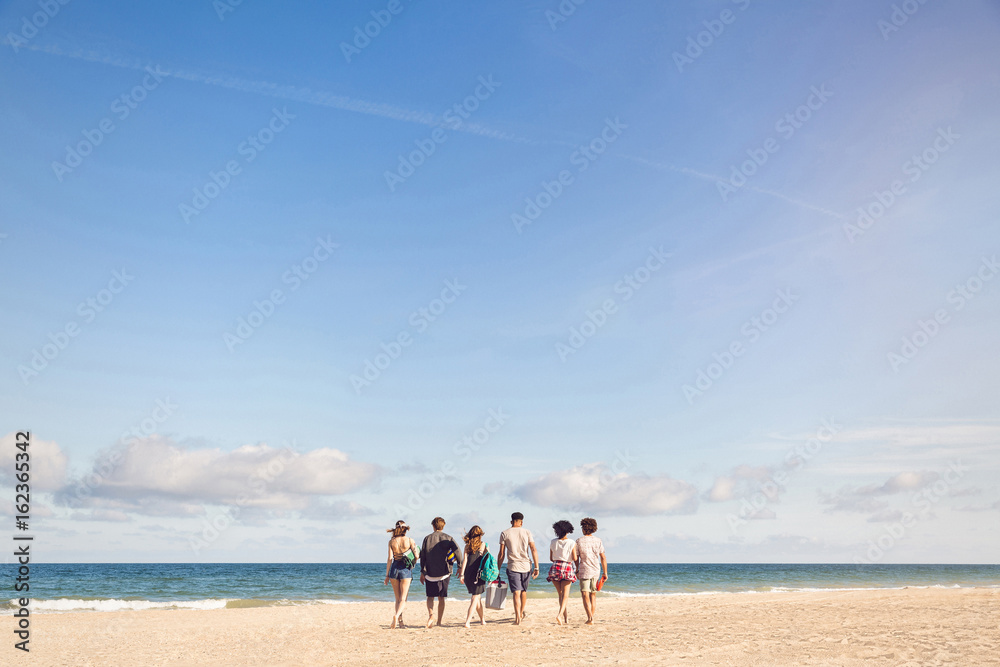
[344, 103]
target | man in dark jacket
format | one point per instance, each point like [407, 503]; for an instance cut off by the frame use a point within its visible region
[437, 555]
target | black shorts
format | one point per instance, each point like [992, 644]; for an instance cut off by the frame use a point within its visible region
[437, 589]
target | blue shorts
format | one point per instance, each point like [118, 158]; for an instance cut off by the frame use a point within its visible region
[399, 571]
[518, 581]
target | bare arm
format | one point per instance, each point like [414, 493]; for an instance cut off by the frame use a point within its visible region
[461, 566]
[501, 555]
[604, 564]
[388, 562]
[534, 556]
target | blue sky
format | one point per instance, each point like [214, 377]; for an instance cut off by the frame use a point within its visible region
[647, 134]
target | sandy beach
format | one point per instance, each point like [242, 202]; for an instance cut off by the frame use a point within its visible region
[892, 627]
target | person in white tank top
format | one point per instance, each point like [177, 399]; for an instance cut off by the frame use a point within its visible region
[562, 573]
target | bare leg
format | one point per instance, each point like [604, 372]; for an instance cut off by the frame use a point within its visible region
[473, 603]
[564, 599]
[395, 592]
[559, 592]
[588, 607]
[441, 610]
[517, 607]
[404, 587]
[481, 609]
[430, 612]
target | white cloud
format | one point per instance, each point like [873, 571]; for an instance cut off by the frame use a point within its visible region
[101, 515]
[865, 498]
[158, 477]
[336, 510]
[740, 483]
[594, 488]
[47, 464]
[980, 508]
[886, 516]
[848, 501]
[722, 490]
[908, 481]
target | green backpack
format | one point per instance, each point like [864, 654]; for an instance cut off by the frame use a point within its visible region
[488, 570]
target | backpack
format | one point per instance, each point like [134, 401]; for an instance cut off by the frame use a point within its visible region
[488, 570]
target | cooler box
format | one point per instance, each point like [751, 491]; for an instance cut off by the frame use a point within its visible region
[496, 594]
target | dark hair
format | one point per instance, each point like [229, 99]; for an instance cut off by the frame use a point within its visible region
[589, 526]
[437, 523]
[473, 539]
[516, 516]
[562, 528]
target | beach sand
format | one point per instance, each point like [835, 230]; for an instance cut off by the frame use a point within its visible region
[890, 627]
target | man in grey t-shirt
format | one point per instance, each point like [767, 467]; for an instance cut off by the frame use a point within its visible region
[515, 542]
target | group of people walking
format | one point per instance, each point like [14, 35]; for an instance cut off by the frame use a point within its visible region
[580, 560]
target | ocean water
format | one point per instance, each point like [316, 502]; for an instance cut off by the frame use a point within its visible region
[114, 586]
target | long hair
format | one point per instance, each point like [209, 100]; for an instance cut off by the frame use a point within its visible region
[474, 539]
[399, 530]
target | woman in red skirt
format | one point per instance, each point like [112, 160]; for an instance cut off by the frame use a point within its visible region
[562, 553]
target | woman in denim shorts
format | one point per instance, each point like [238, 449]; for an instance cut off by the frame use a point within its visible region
[396, 570]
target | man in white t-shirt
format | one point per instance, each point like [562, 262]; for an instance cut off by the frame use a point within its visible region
[515, 542]
[590, 552]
